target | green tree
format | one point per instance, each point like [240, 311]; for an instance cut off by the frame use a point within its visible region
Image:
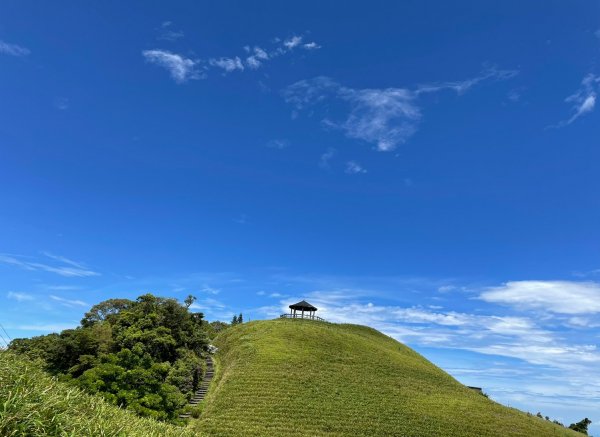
[106, 310]
[240, 318]
[144, 355]
[581, 426]
[189, 300]
[234, 321]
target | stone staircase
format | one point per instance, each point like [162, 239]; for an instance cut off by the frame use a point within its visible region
[203, 388]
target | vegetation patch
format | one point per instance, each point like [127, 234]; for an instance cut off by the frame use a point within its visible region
[295, 377]
[36, 404]
[143, 355]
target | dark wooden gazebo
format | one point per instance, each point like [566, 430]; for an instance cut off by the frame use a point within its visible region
[302, 310]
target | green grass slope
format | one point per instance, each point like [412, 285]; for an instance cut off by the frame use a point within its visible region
[34, 404]
[292, 377]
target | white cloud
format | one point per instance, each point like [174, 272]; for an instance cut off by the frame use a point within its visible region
[181, 69]
[19, 297]
[13, 49]
[311, 46]
[65, 267]
[227, 64]
[353, 167]
[292, 42]
[255, 60]
[560, 297]
[584, 100]
[68, 302]
[385, 117]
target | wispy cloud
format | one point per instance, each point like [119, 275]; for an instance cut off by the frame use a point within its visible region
[227, 64]
[183, 69]
[353, 167]
[385, 117]
[583, 274]
[69, 302]
[460, 87]
[47, 327]
[19, 297]
[63, 266]
[166, 32]
[256, 59]
[210, 290]
[561, 297]
[583, 101]
[180, 68]
[13, 49]
[325, 159]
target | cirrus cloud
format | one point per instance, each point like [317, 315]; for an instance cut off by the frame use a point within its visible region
[385, 117]
[559, 297]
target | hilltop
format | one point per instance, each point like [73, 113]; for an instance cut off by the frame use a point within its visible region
[294, 377]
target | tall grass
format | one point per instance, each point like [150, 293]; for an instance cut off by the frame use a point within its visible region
[34, 404]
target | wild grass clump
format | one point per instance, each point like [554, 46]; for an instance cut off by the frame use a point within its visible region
[35, 404]
[304, 378]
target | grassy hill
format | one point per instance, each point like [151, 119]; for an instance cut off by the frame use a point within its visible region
[292, 377]
[34, 404]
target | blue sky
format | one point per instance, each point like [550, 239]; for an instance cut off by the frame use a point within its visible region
[427, 169]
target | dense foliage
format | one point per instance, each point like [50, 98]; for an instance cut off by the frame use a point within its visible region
[144, 355]
[581, 426]
[35, 404]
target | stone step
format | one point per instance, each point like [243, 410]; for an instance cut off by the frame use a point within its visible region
[202, 388]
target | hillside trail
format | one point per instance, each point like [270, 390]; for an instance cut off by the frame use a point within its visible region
[203, 388]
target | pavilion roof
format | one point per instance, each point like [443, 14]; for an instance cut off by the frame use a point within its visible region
[303, 305]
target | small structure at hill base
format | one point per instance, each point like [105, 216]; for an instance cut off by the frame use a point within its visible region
[302, 307]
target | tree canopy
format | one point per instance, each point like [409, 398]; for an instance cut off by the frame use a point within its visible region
[143, 354]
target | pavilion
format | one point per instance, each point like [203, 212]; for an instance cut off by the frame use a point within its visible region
[302, 310]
